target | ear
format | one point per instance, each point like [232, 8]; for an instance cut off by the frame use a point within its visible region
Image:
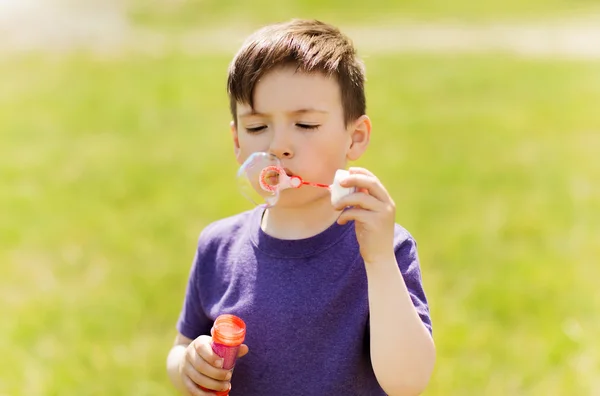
[236, 141]
[360, 135]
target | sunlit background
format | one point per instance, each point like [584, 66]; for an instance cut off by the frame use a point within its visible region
[115, 153]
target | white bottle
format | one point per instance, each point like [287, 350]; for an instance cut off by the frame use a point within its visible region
[337, 191]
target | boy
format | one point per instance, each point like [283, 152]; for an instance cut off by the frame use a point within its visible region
[331, 294]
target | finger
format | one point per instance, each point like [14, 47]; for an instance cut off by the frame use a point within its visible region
[203, 367]
[211, 391]
[204, 381]
[359, 170]
[203, 347]
[367, 182]
[361, 200]
[243, 350]
[192, 374]
[356, 214]
[362, 171]
[191, 387]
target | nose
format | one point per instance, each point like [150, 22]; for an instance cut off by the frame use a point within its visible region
[281, 145]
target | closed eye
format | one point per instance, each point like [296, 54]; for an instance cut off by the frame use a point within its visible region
[307, 126]
[256, 129]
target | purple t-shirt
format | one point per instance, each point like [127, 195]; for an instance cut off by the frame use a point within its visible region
[304, 302]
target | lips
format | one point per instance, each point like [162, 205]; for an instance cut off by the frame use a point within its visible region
[288, 172]
[271, 178]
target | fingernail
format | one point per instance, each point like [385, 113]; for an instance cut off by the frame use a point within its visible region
[228, 376]
[219, 363]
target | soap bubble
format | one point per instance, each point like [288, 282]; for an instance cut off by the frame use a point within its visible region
[258, 178]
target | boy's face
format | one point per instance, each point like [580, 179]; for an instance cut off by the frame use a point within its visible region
[299, 118]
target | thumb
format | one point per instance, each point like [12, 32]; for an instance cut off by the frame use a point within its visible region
[243, 350]
[203, 346]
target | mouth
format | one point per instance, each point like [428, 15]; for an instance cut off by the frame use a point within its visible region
[271, 178]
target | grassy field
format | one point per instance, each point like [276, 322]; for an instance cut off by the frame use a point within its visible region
[107, 176]
[201, 13]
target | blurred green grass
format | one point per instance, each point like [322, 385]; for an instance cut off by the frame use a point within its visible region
[212, 13]
[110, 167]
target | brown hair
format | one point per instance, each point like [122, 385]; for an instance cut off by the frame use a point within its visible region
[310, 45]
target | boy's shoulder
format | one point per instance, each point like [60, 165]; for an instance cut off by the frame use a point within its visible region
[226, 228]
[402, 236]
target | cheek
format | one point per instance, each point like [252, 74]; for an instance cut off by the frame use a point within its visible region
[334, 153]
[324, 164]
[249, 145]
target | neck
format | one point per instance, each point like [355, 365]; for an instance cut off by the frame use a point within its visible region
[299, 222]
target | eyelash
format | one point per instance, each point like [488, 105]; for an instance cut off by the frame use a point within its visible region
[255, 129]
[301, 126]
[308, 126]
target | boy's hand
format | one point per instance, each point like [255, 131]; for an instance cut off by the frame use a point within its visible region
[200, 366]
[374, 213]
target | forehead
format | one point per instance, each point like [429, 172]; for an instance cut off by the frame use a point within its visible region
[286, 89]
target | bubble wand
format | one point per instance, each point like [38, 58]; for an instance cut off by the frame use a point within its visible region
[262, 177]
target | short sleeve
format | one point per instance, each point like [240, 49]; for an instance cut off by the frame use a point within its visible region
[192, 321]
[408, 261]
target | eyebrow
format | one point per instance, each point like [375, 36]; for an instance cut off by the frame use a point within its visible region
[295, 112]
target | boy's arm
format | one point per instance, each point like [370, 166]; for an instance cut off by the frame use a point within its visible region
[191, 321]
[402, 349]
[174, 360]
